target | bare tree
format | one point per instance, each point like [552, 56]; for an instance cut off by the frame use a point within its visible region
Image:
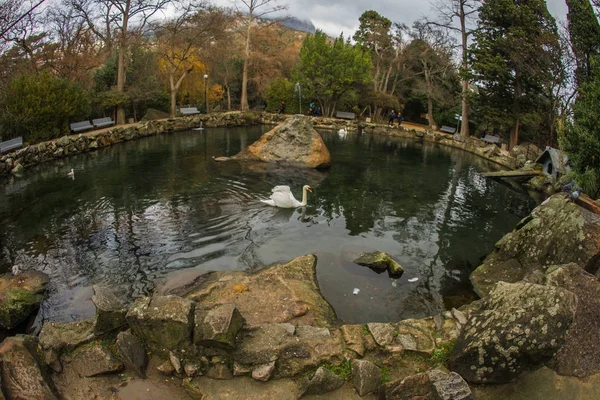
[182, 39]
[119, 22]
[13, 13]
[251, 11]
[464, 13]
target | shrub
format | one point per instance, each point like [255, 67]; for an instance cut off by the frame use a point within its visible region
[40, 106]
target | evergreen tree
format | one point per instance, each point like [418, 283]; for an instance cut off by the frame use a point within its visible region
[584, 31]
[514, 56]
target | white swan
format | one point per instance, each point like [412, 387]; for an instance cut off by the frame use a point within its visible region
[342, 133]
[282, 197]
[71, 173]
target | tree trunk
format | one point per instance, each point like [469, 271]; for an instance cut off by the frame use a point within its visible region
[514, 135]
[244, 102]
[514, 131]
[430, 120]
[464, 129]
[121, 62]
[173, 97]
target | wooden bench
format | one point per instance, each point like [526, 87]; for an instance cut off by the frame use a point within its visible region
[345, 115]
[102, 122]
[11, 144]
[492, 139]
[447, 129]
[81, 126]
[189, 110]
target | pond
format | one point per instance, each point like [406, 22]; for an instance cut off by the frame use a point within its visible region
[139, 213]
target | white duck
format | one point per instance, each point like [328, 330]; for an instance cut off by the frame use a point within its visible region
[282, 197]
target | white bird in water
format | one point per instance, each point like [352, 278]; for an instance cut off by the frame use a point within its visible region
[282, 197]
[71, 173]
[342, 133]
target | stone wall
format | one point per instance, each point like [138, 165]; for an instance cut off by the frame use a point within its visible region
[15, 162]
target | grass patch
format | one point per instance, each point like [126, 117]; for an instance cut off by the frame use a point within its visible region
[344, 370]
[385, 376]
[442, 352]
[366, 330]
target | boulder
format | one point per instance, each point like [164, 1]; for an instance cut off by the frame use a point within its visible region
[354, 338]
[133, 352]
[110, 313]
[95, 360]
[23, 375]
[166, 368]
[192, 370]
[557, 232]
[365, 376]
[380, 262]
[219, 371]
[321, 382]
[580, 354]
[217, 326]
[417, 335]
[61, 337]
[162, 322]
[519, 326]
[383, 333]
[263, 372]
[294, 142]
[20, 296]
[295, 350]
[261, 298]
[435, 384]
[175, 362]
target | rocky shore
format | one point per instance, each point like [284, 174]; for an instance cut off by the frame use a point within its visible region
[271, 334]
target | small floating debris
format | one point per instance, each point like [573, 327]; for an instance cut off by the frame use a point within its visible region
[394, 283]
[355, 291]
[411, 280]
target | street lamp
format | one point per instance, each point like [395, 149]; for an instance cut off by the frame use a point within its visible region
[205, 92]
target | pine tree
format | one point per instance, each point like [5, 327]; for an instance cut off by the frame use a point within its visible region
[514, 52]
[584, 31]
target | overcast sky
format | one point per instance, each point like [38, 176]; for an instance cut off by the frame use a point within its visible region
[336, 16]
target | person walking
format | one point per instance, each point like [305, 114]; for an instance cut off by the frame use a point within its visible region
[391, 118]
[399, 118]
[282, 107]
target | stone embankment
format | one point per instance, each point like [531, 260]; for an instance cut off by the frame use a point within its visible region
[15, 162]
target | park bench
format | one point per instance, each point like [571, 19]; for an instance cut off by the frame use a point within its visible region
[491, 139]
[11, 144]
[189, 110]
[102, 122]
[447, 129]
[81, 126]
[345, 115]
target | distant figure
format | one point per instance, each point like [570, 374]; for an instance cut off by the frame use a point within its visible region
[318, 111]
[399, 118]
[282, 107]
[391, 118]
[311, 109]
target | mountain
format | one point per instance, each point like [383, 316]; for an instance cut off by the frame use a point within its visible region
[299, 25]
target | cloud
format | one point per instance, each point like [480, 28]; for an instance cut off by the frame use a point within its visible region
[337, 16]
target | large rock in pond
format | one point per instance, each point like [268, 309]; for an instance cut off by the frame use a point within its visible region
[294, 142]
[20, 296]
[519, 326]
[282, 293]
[162, 322]
[23, 375]
[557, 232]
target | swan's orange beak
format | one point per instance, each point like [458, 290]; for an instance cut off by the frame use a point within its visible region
[309, 189]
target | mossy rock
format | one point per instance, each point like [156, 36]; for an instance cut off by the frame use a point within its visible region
[20, 296]
[379, 261]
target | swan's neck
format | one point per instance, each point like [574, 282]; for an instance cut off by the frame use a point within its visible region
[304, 197]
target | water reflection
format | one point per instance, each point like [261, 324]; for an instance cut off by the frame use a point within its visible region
[140, 211]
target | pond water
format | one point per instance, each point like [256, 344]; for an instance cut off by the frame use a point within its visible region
[139, 213]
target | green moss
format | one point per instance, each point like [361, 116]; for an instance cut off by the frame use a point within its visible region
[344, 370]
[366, 330]
[385, 376]
[441, 354]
